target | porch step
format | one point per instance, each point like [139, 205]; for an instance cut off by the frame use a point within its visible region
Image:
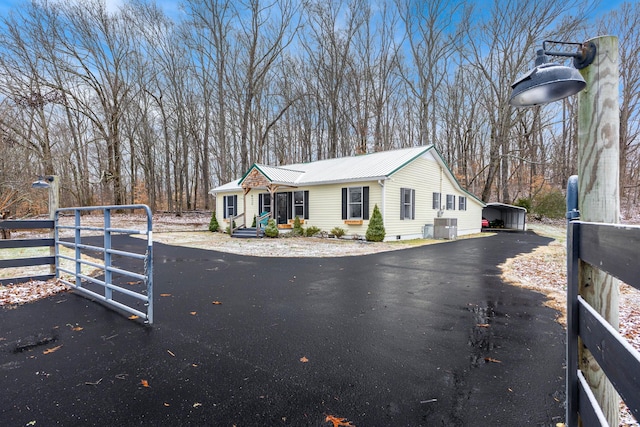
[246, 233]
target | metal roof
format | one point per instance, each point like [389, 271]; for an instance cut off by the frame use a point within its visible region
[279, 175]
[355, 168]
[505, 206]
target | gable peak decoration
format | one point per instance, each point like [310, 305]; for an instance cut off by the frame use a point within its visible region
[255, 179]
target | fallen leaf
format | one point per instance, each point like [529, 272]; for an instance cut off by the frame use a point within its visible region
[193, 313]
[171, 353]
[144, 383]
[482, 325]
[338, 422]
[77, 328]
[304, 359]
[165, 295]
[195, 405]
[133, 317]
[166, 404]
[216, 303]
[134, 283]
[492, 360]
[31, 423]
[51, 350]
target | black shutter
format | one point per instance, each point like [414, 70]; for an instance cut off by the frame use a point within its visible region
[402, 203]
[260, 204]
[344, 203]
[306, 204]
[365, 202]
[289, 205]
[224, 204]
[413, 204]
[235, 205]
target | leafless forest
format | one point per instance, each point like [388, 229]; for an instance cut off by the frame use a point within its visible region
[142, 104]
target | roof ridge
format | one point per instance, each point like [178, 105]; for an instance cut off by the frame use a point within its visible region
[280, 167]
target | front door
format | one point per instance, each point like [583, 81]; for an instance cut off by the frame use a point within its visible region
[283, 209]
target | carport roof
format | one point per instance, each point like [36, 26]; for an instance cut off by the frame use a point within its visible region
[506, 206]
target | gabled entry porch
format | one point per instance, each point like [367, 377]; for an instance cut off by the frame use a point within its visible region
[277, 199]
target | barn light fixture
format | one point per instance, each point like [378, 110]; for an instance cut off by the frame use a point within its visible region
[42, 182]
[550, 81]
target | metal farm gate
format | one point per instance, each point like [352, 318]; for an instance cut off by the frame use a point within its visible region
[129, 289]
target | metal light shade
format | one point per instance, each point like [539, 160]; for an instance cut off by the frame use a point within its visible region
[546, 83]
[42, 182]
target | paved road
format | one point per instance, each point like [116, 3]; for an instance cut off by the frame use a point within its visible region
[428, 336]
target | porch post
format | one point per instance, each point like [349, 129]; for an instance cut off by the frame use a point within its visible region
[245, 191]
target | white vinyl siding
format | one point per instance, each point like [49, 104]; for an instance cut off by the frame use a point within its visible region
[424, 175]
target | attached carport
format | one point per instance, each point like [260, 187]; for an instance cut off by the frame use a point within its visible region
[503, 216]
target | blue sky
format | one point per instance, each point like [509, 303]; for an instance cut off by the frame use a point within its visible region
[168, 5]
[171, 6]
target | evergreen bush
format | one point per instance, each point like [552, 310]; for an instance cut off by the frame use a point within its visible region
[312, 231]
[375, 230]
[213, 224]
[550, 204]
[297, 227]
[338, 232]
[271, 230]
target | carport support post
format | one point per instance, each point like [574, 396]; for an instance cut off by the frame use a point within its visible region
[598, 196]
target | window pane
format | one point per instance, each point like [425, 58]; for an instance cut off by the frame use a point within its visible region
[462, 203]
[298, 211]
[436, 201]
[451, 202]
[407, 195]
[355, 194]
[298, 197]
[355, 211]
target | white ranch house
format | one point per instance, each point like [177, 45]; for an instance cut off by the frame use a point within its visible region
[411, 187]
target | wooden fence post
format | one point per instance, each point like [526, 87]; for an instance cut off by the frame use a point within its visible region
[599, 199]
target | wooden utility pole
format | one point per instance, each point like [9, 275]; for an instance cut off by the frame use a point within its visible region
[599, 196]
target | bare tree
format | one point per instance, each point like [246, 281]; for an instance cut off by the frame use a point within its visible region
[328, 46]
[96, 47]
[500, 48]
[431, 32]
[625, 22]
[264, 35]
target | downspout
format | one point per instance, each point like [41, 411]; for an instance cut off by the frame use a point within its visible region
[382, 201]
[443, 197]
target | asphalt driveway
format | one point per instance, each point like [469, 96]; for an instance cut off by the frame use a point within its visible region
[428, 336]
